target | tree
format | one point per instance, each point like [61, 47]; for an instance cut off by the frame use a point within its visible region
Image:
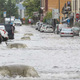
[5, 6]
[2, 9]
[31, 6]
[11, 9]
[48, 16]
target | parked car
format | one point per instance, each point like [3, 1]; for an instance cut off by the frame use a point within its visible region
[9, 20]
[48, 28]
[59, 27]
[76, 31]
[37, 25]
[40, 24]
[66, 32]
[17, 22]
[43, 27]
[3, 35]
[0, 38]
[10, 29]
[2, 26]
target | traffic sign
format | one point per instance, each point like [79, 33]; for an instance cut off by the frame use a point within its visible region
[4, 14]
[35, 14]
[68, 20]
[77, 15]
[55, 13]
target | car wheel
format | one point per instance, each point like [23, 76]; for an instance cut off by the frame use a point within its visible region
[61, 36]
[78, 35]
[36, 29]
[57, 32]
[41, 31]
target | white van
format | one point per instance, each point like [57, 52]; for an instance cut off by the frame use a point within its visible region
[59, 27]
[7, 20]
[18, 22]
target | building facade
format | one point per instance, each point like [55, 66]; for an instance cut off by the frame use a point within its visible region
[57, 4]
[44, 3]
[75, 7]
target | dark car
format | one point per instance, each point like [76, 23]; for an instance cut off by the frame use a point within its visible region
[10, 29]
[0, 38]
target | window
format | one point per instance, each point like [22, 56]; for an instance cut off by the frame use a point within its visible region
[69, 3]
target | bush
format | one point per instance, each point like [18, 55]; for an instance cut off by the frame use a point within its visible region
[26, 21]
[48, 16]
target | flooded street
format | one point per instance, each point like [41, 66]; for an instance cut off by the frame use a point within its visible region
[53, 57]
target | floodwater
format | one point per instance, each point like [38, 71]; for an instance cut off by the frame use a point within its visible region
[53, 57]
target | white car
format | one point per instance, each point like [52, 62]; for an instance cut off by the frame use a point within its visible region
[42, 28]
[76, 31]
[40, 25]
[59, 27]
[48, 28]
[37, 25]
[2, 27]
[66, 32]
[17, 22]
[4, 35]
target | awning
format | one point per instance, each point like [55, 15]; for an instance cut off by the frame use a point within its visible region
[67, 19]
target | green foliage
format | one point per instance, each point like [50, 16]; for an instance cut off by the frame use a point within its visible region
[26, 21]
[40, 10]
[13, 10]
[48, 16]
[2, 9]
[31, 6]
[5, 6]
[13, 1]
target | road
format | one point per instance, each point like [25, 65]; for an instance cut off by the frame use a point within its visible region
[54, 57]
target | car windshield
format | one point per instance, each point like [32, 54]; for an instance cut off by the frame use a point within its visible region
[2, 27]
[49, 26]
[17, 20]
[66, 29]
[44, 25]
[75, 28]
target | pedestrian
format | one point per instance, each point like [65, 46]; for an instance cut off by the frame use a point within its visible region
[32, 22]
[29, 21]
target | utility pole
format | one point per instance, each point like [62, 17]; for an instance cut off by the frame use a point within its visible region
[59, 10]
[40, 8]
[10, 11]
[75, 12]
